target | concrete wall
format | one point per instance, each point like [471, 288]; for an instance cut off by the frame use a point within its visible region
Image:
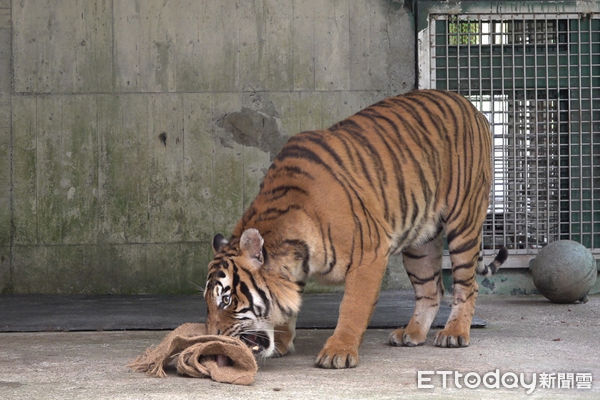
[132, 131]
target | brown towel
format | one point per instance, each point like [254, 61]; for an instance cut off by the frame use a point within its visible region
[222, 358]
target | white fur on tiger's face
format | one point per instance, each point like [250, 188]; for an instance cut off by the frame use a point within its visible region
[238, 310]
[239, 302]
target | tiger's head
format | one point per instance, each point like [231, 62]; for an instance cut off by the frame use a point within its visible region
[247, 297]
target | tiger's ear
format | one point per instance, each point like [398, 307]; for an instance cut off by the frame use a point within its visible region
[218, 243]
[251, 244]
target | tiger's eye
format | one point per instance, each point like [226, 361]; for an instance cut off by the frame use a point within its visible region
[226, 299]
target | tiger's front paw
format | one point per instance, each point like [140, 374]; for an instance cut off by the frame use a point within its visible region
[404, 337]
[448, 337]
[337, 354]
[282, 349]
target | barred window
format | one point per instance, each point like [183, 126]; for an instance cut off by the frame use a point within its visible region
[536, 77]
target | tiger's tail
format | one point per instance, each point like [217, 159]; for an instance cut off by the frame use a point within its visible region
[491, 268]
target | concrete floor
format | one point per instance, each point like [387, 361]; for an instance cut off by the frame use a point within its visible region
[524, 334]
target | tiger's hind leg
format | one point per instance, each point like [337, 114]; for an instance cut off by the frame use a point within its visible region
[464, 248]
[423, 265]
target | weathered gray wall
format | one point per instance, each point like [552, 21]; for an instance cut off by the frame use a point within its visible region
[5, 145]
[129, 130]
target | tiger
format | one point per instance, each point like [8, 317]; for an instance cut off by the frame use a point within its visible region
[335, 204]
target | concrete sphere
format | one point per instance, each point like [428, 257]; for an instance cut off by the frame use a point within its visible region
[564, 271]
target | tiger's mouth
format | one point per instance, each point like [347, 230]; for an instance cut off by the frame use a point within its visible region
[257, 342]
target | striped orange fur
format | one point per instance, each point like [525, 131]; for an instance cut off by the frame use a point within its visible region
[336, 203]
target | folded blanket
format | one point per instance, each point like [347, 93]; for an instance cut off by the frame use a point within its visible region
[222, 358]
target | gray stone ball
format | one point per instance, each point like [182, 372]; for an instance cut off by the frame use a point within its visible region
[564, 271]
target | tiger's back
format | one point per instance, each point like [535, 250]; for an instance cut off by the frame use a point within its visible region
[337, 203]
[381, 179]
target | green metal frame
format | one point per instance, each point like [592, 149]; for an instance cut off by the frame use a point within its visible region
[572, 63]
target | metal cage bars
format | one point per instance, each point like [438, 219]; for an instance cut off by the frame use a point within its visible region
[537, 79]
